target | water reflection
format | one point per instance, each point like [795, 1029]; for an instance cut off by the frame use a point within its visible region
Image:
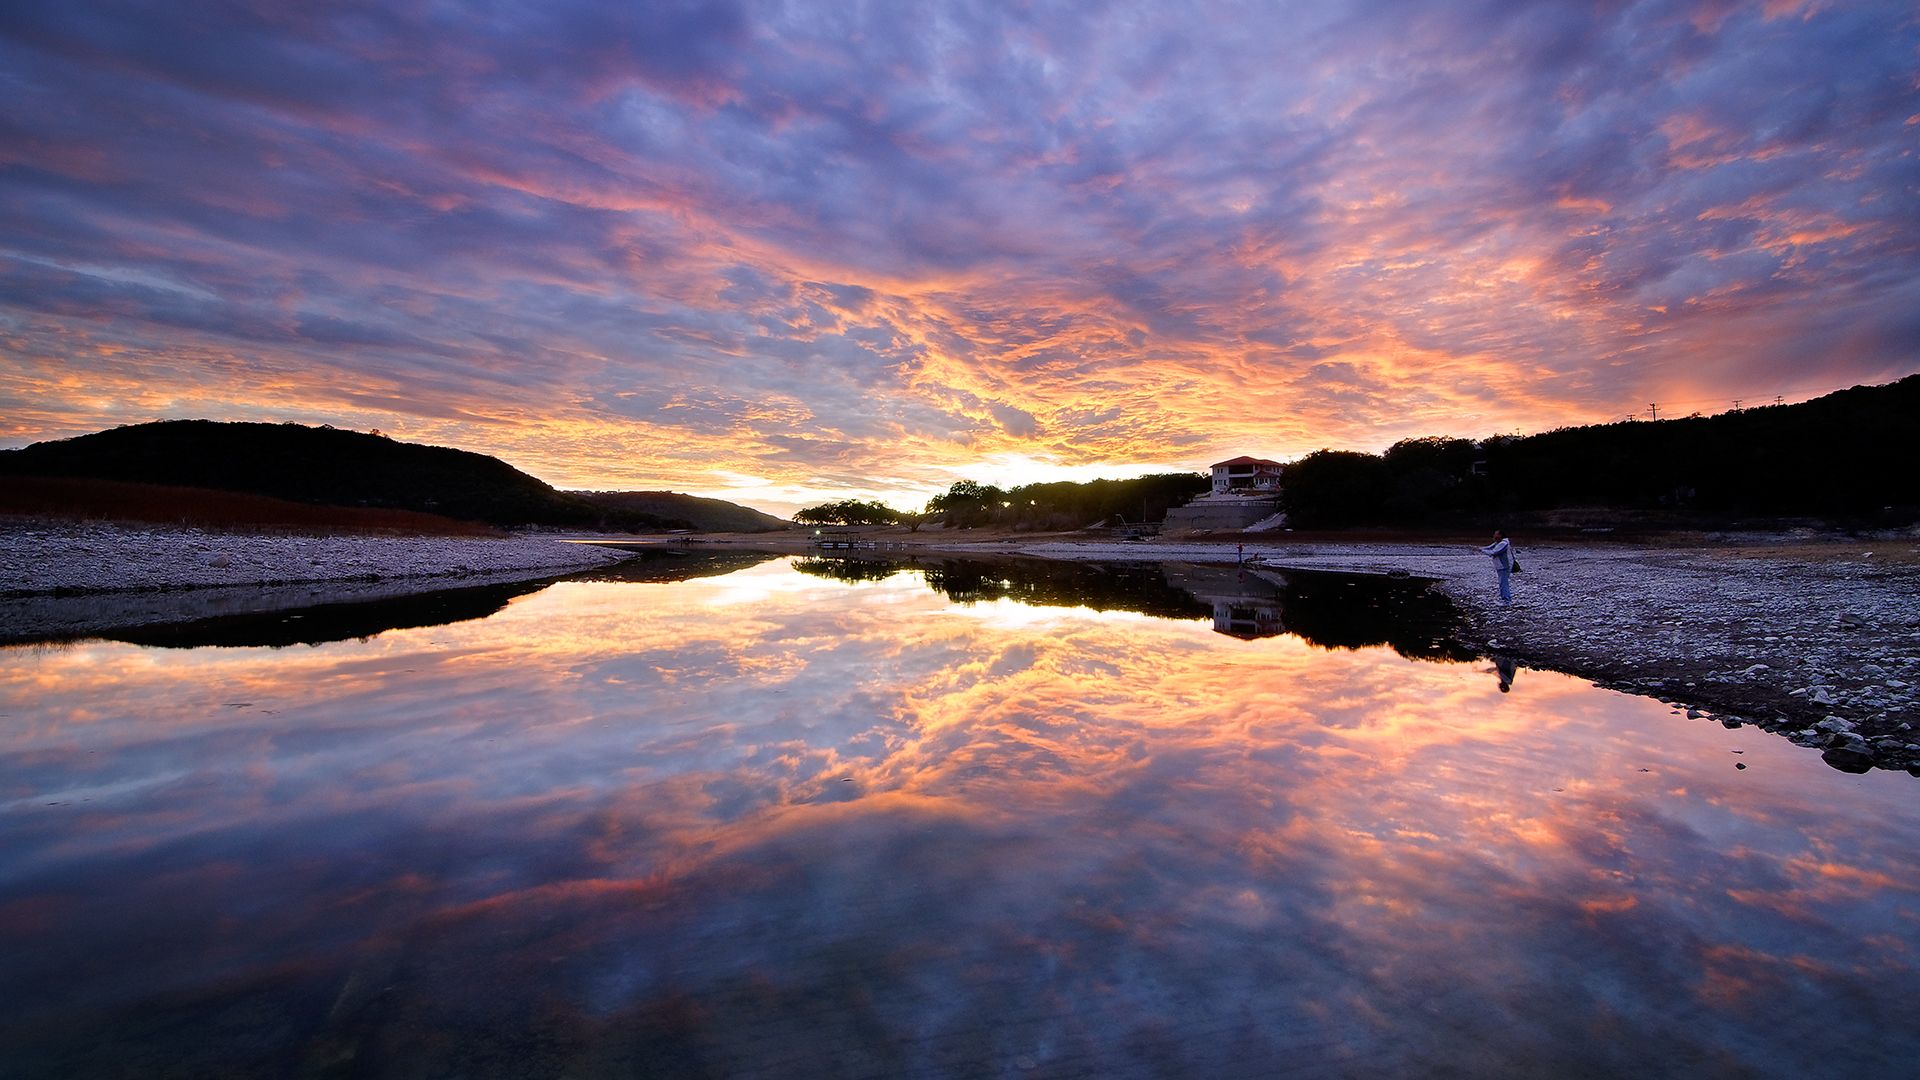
[320, 623]
[673, 564]
[771, 823]
[1329, 610]
[1505, 668]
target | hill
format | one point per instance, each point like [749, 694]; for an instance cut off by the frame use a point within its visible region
[1845, 457]
[324, 466]
[702, 515]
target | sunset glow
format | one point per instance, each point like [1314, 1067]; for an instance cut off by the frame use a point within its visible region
[785, 253]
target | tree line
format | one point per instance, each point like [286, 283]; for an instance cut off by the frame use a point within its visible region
[1846, 456]
[1057, 505]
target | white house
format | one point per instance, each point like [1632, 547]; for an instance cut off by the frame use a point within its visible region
[1246, 476]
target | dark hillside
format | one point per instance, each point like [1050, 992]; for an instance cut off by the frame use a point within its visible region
[321, 466]
[702, 515]
[1850, 453]
[1845, 457]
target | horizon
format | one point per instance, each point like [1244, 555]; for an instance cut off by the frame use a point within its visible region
[1092, 472]
[783, 256]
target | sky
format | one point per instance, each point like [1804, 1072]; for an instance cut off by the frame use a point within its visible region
[784, 253]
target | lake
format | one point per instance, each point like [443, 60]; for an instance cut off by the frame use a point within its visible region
[754, 816]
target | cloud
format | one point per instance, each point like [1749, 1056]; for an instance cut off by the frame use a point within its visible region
[692, 241]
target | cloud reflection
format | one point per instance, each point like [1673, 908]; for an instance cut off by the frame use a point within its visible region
[685, 824]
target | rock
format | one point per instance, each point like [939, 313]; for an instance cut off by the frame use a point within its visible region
[220, 562]
[1847, 740]
[1847, 760]
[1834, 724]
[1756, 669]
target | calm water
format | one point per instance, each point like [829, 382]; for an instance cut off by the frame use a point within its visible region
[780, 819]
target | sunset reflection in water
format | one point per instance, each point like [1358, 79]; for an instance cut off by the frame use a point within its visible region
[770, 822]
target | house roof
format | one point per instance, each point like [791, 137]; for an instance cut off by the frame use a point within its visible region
[1244, 460]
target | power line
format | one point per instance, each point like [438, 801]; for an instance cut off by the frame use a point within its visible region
[1777, 398]
[1653, 408]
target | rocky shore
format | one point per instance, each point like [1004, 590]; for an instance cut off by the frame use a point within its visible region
[61, 578]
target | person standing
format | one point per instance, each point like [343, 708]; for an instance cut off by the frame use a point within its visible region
[1501, 552]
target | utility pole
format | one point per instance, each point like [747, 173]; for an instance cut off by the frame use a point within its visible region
[1653, 410]
[1736, 403]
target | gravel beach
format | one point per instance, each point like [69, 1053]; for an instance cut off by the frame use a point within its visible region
[62, 579]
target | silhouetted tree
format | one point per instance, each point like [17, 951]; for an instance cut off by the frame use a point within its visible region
[1336, 487]
[1840, 456]
[1065, 504]
[849, 512]
[967, 504]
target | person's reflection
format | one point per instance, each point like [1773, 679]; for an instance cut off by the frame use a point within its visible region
[1505, 667]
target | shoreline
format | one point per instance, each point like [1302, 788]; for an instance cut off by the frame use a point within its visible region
[1816, 641]
[64, 579]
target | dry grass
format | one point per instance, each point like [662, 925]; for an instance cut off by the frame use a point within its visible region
[112, 500]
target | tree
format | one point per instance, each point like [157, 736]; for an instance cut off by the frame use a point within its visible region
[967, 504]
[1330, 488]
[849, 512]
[1430, 477]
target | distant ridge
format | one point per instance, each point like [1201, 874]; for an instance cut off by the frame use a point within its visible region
[706, 515]
[327, 466]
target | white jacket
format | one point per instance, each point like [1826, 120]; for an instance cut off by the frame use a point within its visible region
[1500, 551]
